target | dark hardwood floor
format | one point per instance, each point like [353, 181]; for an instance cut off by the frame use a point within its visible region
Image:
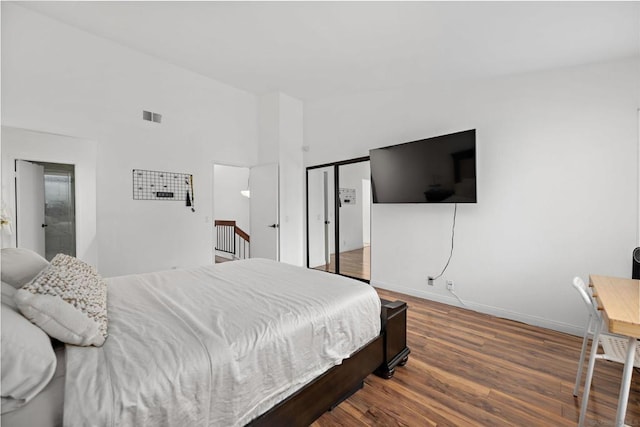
[471, 369]
[355, 263]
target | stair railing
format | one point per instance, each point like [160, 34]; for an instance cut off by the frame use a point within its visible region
[232, 239]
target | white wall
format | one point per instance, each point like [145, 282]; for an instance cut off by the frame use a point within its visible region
[557, 161]
[20, 144]
[61, 80]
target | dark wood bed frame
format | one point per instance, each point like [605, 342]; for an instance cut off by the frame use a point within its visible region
[380, 356]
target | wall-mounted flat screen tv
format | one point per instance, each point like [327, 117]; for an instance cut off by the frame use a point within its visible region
[441, 169]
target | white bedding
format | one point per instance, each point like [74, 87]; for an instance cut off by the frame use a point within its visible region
[44, 410]
[216, 345]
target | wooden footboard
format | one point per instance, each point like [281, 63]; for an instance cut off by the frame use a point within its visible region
[323, 393]
[381, 356]
[393, 318]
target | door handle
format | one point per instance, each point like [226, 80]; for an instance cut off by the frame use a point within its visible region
[45, 225]
[273, 226]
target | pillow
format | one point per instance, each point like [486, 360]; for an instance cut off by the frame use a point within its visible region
[68, 300]
[8, 294]
[28, 360]
[19, 266]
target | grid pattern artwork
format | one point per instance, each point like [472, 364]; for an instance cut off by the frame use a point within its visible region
[158, 185]
[347, 196]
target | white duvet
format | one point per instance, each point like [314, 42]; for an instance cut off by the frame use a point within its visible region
[216, 345]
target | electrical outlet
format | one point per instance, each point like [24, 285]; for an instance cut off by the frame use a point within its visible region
[430, 281]
[450, 285]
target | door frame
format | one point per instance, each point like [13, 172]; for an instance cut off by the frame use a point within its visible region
[36, 239]
[48, 169]
[54, 148]
[210, 220]
[336, 203]
[213, 199]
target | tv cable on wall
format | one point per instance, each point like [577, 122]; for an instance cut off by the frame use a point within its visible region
[453, 232]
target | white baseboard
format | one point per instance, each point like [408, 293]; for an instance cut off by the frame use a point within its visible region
[486, 309]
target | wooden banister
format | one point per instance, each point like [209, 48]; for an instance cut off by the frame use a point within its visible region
[226, 223]
[240, 232]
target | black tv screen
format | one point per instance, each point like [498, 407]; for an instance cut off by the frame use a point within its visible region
[441, 169]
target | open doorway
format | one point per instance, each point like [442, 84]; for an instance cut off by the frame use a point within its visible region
[45, 208]
[231, 213]
[246, 212]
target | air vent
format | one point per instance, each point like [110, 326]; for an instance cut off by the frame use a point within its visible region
[151, 117]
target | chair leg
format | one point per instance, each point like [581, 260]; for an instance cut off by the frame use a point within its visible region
[582, 353]
[587, 382]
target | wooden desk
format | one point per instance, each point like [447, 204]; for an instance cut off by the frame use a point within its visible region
[620, 302]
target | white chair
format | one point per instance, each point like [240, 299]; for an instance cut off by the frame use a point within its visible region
[614, 346]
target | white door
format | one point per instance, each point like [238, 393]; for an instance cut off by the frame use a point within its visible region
[263, 182]
[30, 221]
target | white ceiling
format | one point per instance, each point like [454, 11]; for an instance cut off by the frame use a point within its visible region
[311, 50]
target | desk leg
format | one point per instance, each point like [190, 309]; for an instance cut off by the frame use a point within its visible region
[623, 398]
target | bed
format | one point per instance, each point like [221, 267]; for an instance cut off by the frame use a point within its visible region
[251, 342]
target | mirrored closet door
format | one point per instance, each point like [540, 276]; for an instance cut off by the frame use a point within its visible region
[338, 218]
[321, 219]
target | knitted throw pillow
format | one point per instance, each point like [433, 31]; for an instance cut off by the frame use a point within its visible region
[68, 300]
